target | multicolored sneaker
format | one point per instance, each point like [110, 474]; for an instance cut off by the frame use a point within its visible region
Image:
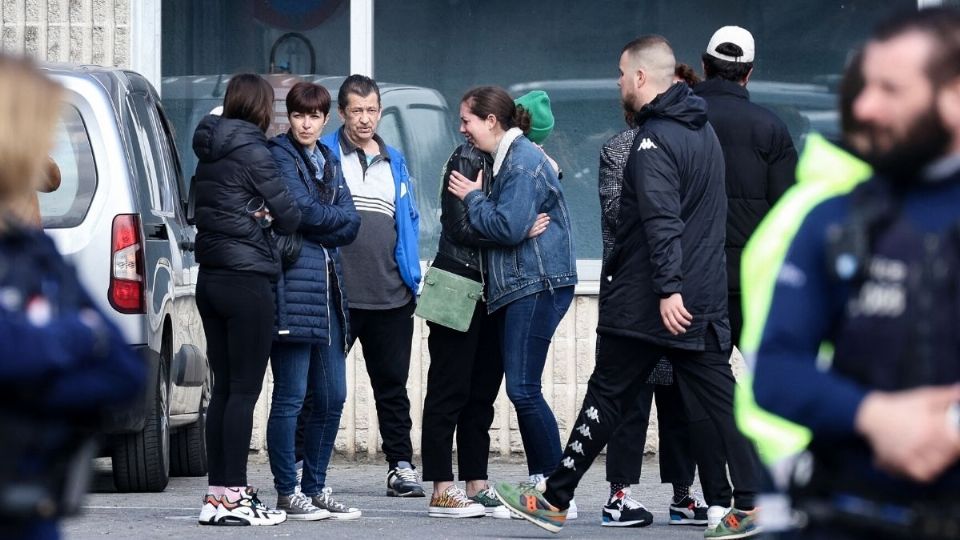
[337, 509]
[736, 524]
[268, 516]
[689, 510]
[246, 511]
[491, 504]
[208, 513]
[454, 503]
[529, 503]
[622, 510]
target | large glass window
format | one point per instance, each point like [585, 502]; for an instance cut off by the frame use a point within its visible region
[205, 42]
[570, 49]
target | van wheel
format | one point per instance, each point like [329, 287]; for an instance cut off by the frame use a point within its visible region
[189, 444]
[141, 461]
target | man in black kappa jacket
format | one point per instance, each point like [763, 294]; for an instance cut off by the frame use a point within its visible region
[759, 154]
[662, 293]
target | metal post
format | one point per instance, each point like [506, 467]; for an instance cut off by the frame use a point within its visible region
[361, 37]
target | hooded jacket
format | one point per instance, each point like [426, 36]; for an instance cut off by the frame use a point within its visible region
[760, 162]
[670, 237]
[234, 167]
[308, 293]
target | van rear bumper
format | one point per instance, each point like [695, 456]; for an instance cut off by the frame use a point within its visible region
[131, 418]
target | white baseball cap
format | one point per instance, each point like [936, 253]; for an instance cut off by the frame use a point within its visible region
[740, 37]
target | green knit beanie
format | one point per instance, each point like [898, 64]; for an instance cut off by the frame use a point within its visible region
[537, 103]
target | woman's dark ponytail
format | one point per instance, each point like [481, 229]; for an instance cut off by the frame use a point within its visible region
[521, 119]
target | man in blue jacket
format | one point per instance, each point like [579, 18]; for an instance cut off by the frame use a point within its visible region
[381, 268]
[874, 274]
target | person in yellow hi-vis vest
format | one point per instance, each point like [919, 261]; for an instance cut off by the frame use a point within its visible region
[873, 273]
[824, 170]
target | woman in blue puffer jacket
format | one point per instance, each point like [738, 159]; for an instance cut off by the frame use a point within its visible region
[312, 325]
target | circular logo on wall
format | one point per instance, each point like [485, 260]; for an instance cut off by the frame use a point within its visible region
[295, 14]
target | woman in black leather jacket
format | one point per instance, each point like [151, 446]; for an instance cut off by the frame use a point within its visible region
[238, 260]
[466, 368]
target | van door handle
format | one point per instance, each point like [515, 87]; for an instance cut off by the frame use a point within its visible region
[158, 232]
[186, 245]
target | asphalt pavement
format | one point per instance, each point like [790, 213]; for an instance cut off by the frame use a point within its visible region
[173, 513]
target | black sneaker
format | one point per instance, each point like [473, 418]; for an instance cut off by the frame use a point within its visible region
[622, 510]
[688, 511]
[402, 481]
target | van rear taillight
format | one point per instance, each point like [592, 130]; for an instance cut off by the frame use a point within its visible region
[126, 268]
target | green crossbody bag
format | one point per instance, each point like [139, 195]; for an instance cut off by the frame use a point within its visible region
[448, 299]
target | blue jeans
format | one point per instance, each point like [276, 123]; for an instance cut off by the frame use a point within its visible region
[528, 325]
[295, 365]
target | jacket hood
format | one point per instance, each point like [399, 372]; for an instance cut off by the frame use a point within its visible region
[217, 137]
[678, 103]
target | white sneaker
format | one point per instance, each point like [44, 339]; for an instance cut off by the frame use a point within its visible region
[500, 512]
[247, 511]
[208, 513]
[714, 515]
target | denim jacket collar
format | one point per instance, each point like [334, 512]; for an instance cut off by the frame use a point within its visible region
[508, 137]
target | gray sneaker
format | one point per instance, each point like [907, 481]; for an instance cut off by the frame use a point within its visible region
[337, 509]
[298, 507]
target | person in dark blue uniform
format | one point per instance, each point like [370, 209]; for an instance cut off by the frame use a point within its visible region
[874, 274]
[63, 364]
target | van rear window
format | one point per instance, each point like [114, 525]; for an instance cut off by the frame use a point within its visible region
[68, 205]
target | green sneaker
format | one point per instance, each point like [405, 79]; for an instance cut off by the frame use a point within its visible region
[736, 524]
[528, 502]
[491, 504]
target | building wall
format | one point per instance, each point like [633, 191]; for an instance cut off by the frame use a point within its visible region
[74, 31]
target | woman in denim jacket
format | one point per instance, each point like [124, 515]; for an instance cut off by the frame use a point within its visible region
[530, 281]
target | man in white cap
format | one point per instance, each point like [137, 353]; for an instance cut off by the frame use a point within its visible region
[757, 148]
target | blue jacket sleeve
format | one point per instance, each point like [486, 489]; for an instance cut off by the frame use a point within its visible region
[408, 181]
[657, 184]
[316, 217]
[347, 232]
[79, 357]
[508, 220]
[112, 374]
[806, 304]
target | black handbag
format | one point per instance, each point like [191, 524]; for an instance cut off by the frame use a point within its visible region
[289, 246]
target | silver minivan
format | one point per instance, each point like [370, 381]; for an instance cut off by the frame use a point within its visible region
[119, 216]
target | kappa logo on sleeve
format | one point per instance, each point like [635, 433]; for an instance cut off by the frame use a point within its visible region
[646, 144]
